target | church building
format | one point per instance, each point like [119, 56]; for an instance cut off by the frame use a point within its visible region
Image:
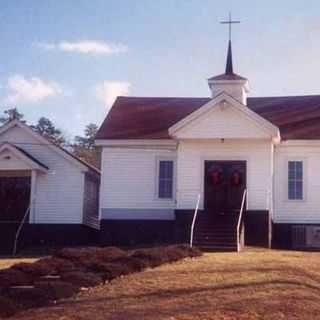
[254, 163]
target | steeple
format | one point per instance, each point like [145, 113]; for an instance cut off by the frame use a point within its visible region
[229, 82]
[229, 65]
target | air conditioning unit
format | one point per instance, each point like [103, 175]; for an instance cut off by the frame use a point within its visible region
[305, 236]
[313, 236]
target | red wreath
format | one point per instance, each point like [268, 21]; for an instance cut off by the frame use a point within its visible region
[216, 177]
[236, 178]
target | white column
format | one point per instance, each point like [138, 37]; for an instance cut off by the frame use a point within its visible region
[271, 213]
[33, 196]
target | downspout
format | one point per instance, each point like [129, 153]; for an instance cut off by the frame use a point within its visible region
[271, 196]
[272, 202]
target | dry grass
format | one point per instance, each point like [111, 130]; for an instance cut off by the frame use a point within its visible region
[8, 262]
[255, 284]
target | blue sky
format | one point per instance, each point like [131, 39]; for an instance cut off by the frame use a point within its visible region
[67, 60]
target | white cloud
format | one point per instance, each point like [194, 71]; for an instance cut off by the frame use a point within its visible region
[108, 91]
[23, 90]
[86, 47]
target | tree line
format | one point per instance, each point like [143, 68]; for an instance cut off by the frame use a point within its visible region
[82, 146]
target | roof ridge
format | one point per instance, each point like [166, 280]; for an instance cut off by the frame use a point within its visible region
[164, 97]
[198, 97]
[288, 96]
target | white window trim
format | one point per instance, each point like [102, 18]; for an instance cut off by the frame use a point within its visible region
[174, 184]
[304, 180]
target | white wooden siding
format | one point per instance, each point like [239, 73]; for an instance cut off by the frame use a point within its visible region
[190, 166]
[13, 164]
[297, 211]
[129, 179]
[59, 197]
[222, 122]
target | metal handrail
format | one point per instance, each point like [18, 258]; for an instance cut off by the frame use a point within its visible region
[240, 218]
[19, 230]
[194, 220]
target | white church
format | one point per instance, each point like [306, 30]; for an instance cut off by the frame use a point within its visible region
[221, 172]
[252, 162]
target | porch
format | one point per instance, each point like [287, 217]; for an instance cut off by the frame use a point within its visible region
[18, 176]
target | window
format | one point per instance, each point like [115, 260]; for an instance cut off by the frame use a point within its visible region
[165, 190]
[295, 180]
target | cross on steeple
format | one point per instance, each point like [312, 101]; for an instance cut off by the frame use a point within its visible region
[229, 65]
[229, 82]
[230, 22]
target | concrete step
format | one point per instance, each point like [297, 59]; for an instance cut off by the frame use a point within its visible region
[206, 227]
[216, 232]
[233, 221]
[225, 246]
[215, 248]
[216, 239]
[212, 227]
[211, 234]
[216, 220]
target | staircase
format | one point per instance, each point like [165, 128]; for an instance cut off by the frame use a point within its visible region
[216, 232]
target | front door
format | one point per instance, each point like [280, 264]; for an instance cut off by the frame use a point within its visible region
[225, 182]
[14, 198]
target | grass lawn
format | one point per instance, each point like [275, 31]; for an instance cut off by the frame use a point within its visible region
[255, 284]
[6, 262]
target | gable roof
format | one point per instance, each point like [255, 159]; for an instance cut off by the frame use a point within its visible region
[24, 156]
[66, 154]
[260, 122]
[226, 76]
[297, 117]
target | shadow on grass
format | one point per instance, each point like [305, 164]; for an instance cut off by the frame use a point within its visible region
[189, 291]
[210, 300]
[286, 270]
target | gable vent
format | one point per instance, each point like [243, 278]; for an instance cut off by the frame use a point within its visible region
[299, 236]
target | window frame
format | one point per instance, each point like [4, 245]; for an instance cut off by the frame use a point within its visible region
[304, 180]
[157, 180]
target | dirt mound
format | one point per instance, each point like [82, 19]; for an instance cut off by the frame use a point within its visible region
[28, 296]
[29, 285]
[54, 290]
[43, 267]
[82, 279]
[132, 263]
[177, 252]
[109, 271]
[191, 252]
[152, 257]
[91, 253]
[8, 307]
[55, 265]
[13, 277]
[32, 269]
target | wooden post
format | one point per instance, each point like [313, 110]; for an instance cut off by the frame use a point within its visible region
[33, 194]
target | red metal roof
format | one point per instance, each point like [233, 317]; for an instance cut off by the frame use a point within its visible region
[298, 117]
[230, 76]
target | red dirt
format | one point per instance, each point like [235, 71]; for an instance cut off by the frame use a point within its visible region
[74, 268]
